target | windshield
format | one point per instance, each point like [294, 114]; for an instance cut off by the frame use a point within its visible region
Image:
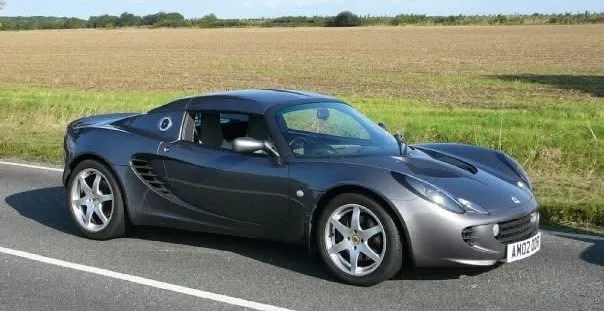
[323, 130]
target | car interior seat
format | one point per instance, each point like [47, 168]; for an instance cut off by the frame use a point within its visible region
[256, 128]
[211, 132]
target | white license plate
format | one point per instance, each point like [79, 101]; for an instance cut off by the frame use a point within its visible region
[523, 249]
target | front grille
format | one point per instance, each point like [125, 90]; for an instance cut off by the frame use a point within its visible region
[144, 170]
[469, 236]
[516, 230]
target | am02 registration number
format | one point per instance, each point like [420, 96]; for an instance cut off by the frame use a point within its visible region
[523, 249]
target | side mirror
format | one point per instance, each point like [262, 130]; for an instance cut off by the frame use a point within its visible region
[247, 145]
[383, 125]
[250, 145]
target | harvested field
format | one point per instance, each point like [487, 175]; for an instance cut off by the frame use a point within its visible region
[438, 64]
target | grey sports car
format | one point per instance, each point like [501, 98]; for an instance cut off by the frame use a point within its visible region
[302, 168]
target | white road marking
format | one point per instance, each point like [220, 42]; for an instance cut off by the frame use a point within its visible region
[32, 166]
[144, 281]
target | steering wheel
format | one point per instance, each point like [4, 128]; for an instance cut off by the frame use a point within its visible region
[324, 149]
[315, 149]
[298, 140]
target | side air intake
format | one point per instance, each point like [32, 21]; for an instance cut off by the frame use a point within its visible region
[144, 169]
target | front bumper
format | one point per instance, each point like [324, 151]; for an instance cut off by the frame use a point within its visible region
[439, 238]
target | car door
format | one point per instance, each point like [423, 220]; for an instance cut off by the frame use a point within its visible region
[239, 192]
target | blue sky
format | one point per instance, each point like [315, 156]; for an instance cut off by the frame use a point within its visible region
[271, 8]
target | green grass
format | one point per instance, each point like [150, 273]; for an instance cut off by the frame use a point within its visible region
[33, 119]
[555, 139]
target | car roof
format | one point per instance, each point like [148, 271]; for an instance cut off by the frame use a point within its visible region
[246, 101]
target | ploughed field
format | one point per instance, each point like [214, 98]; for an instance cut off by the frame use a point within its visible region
[535, 92]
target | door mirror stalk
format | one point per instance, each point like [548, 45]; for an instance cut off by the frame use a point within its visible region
[251, 145]
[271, 149]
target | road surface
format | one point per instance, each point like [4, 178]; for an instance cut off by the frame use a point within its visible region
[46, 265]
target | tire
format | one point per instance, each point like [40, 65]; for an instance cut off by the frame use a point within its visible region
[376, 270]
[113, 210]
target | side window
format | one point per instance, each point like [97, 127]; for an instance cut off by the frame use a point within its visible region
[219, 129]
[325, 121]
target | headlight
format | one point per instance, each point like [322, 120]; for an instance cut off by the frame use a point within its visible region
[472, 207]
[432, 194]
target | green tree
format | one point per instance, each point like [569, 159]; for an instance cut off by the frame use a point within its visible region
[103, 21]
[163, 19]
[209, 20]
[74, 23]
[345, 19]
[2, 3]
[129, 20]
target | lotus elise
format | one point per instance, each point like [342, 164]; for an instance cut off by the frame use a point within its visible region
[303, 168]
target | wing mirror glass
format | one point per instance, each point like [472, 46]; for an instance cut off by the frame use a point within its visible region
[251, 145]
[323, 114]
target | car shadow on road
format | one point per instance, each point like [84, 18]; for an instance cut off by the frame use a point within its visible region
[282, 255]
[46, 206]
[287, 256]
[594, 254]
[438, 274]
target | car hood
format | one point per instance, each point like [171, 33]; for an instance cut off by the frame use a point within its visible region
[458, 177]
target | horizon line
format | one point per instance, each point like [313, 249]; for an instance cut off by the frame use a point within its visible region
[321, 16]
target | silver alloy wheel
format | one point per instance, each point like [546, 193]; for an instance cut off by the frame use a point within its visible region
[91, 200]
[355, 239]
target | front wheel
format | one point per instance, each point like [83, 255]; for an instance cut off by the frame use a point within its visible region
[95, 201]
[358, 240]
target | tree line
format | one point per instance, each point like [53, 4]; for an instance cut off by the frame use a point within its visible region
[344, 19]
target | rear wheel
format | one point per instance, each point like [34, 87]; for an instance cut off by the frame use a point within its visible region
[95, 201]
[358, 240]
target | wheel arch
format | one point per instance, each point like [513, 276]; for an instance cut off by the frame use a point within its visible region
[81, 158]
[351, 188]
[95, 157]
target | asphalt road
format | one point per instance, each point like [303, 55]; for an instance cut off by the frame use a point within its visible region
[568, 273]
